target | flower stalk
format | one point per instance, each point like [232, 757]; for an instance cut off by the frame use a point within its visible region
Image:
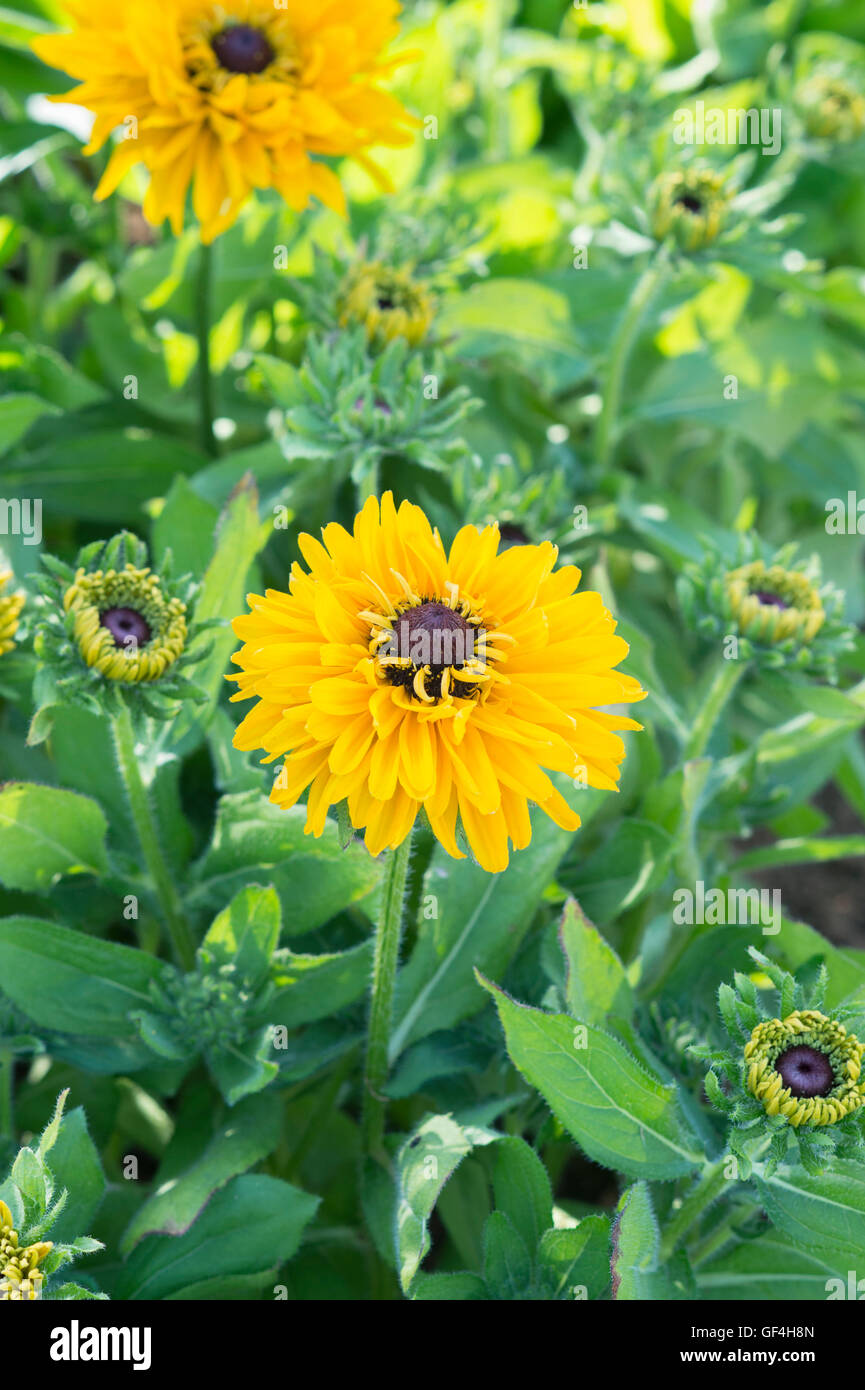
[701, 1196]
[385, 963]
[620, 354]
[724, 682]
[148, 838]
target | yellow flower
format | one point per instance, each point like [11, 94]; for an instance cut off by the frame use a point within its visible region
[389, 303]
[232, 96]
[20, 1279]
[772, 603]
[395, 676]
[10, 610]
[124, 624]
[806, 1067]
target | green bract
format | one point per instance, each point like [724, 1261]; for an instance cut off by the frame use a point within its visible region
[778, 611]
[110, 629]
[796, 1078]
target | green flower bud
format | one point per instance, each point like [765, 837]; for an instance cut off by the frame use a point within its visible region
[689, 205]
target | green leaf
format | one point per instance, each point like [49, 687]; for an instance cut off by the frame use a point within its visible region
[596, 984]
[635, 1245]
[802, 850]
[105, 475]
[576, 1261]
[424, 1164]
[239, 537]
[312, 987]
[17, 414]
[771, 1267]
[255, 841]
[507, 1262]
[825, 1213]
[252, 1224]
[46, 832]
[248, 1135]
[244, 1070]
[525, 322]
[522, 1191]
[75, 1165]
[481, 920]
[450, 1288]
[635, 1266]
[620, 1115]
[246, 934]
[71, 982]
[185, 526]
[632, 863]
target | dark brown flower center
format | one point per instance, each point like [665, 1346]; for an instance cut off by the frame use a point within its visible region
[769, 599]
[434, 636]
[690, 202]
[127, 626]
[240, 48]
[805, 1071]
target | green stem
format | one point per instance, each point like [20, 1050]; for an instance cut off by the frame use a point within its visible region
[385, 961]
[620, 352]
[148, 837]
[7, 1098]
[694, 1204]
[203, 314]
[726, 678]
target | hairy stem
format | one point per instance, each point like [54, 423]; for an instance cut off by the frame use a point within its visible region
[148, 838]
[385, 962]
[727, 677]
[620, 353]
[693, 1205]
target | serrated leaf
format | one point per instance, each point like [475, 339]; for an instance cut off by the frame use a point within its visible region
[596, 983]
[620, 1115]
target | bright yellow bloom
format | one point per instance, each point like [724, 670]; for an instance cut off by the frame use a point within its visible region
[395, 675]
[232, 96]
[10, 611]
[20, 1279]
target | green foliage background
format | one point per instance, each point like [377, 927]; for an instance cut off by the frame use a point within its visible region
[210, 1165]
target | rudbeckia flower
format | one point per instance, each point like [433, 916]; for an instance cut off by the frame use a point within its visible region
[231, 96]
[690, 205]
[396, 675]
[780, 610]
[389, 303]
[20, 1278]
[806, 1067]
[113, 624]
[10, 611]
[793, 1075]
